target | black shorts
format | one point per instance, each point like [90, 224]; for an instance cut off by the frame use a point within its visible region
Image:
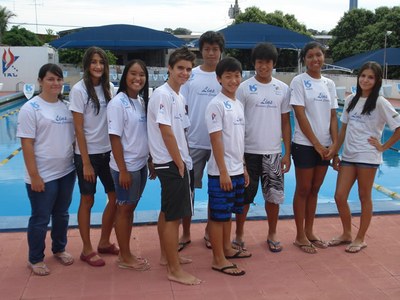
[306, 157]
[100, 163]
[176, 193]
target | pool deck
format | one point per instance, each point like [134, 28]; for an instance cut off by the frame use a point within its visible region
[331, 274]
[374, 273]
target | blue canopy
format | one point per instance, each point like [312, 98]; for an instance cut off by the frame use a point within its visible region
[356, 61]
[247, 35]
[119, 37]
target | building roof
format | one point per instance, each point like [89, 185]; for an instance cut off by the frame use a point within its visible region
[119, 37]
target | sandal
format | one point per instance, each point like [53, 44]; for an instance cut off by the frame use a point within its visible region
[94, 263]
[207, 242]
[112, 249]
[64, 258]
[238, 245]
[310, 248]
[39, 268]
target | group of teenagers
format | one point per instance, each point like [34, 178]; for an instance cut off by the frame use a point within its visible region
[200, 116]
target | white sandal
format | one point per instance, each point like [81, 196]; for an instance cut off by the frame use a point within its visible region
[64, 258]
[39, 268]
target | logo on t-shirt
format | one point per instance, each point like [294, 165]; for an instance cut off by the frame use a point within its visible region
[35, 105]
[266, 103]
[227, 104]
[322, 97]
[162, 109]
[307, 84]
[207, 91]
[253, 88]
[238, 121]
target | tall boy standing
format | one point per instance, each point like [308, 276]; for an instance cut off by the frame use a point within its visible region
[166, 123]
[227, 176]
[267, 108]
[198, 92]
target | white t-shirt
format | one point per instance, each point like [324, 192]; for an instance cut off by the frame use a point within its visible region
[51, 126]
[361, 127]
[94, 125]
[168, 108]
[198, 91]
[224, 114]
[127, 119]
[264, 104]
[318, 96]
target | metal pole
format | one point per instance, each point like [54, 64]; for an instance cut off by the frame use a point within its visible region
[384, 58]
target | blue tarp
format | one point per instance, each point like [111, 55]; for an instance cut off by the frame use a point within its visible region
[119, 37]
[356, 61]
[247, 35]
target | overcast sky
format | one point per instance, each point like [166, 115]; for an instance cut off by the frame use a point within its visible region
[197, 16]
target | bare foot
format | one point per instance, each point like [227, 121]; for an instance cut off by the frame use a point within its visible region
[182, 260]
[184, 278]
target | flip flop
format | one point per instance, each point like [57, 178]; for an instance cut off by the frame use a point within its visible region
[64, 258]
[356, 248]
[337, 242]
[319, 243]
[182, 245]
[224, 270]
[39, 269]
[207, 242]
[238, 255]
[112, 249]
[274, 246]
[143, 266]
[238, 245]
[94, 263]
[310, 248]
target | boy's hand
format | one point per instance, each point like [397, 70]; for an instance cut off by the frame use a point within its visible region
[246, 177]
[225, 182]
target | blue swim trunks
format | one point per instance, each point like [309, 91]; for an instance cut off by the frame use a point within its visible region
[221, 203]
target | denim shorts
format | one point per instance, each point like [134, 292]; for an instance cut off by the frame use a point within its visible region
[306, 157]
[100, 163]
[358, 165]
[223, 203]
[132, 195]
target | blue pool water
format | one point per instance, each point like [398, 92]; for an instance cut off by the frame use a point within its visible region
[14, 201]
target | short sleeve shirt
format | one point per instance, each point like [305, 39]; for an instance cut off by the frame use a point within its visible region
[227, 115]
[51, 127]
[166, 107]
[318, 96]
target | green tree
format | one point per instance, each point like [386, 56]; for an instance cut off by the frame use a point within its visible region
[5, 16]
[178, 31]
[287, 60]
[21, 37]
[74, 56]
[361, 30]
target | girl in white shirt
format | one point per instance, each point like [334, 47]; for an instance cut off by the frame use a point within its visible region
[127, 128]
[363, 120]
[89, 98]
[314, 102]
[47, 134]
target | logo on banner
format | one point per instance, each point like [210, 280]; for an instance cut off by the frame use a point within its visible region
[29, 90]
[8, 60]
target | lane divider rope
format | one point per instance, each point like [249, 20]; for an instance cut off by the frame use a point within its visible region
[6, 160]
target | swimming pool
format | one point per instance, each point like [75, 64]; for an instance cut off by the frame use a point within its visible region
[14, 201]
